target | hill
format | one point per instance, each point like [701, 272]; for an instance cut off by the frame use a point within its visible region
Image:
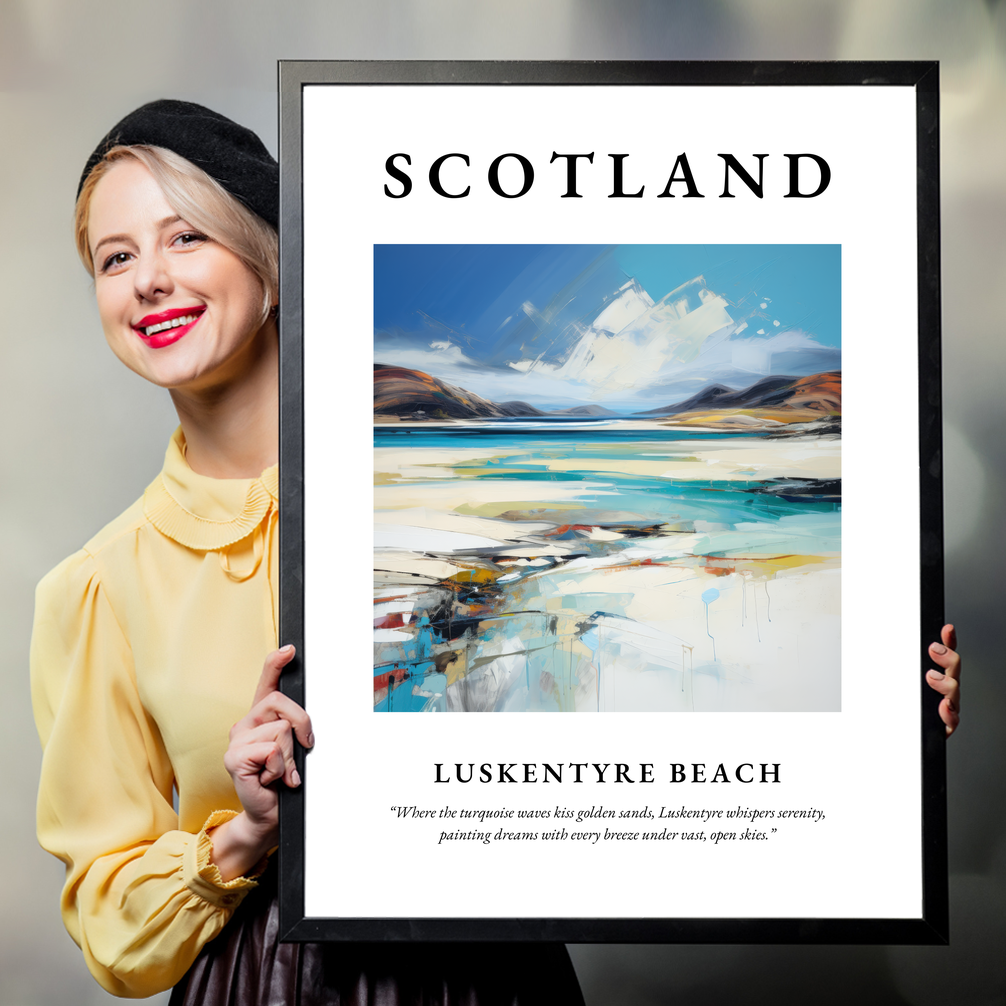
[399, 391]
[820, 393]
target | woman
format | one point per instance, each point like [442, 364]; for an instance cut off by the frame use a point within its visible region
[148, 643]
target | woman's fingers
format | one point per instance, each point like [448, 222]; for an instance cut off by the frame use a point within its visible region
[261, 749]
[949, 636]
[949, 688]
[277, 706]
[950, 716]
[270, 703]
[945, 655]
[947, 680]
[271, 670]
[278, 735]
[949, 660]
[274, 766]
[261, 761]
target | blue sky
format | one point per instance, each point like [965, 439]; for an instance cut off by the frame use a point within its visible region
[519, 321]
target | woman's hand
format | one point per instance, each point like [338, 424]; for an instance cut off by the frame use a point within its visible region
[260, 753]
[947, 682]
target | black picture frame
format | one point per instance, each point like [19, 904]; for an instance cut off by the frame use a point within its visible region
[932, 925]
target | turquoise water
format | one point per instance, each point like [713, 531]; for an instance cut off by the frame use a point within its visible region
[525, 455]
[722, 519]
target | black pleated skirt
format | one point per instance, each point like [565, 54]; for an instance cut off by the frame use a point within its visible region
[246, 965]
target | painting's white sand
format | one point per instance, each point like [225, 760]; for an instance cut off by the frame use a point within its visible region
[775, 621]
[659, 656]
[723, 460]
[496, 532]
[472, 494]
[389, 563]
[427, 539]
[768, 652]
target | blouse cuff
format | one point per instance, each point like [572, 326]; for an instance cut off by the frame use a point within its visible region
[202, 876]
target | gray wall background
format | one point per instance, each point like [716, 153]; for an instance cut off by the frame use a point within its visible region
[82, 436]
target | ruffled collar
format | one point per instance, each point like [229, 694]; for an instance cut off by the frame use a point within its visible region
[203, 513]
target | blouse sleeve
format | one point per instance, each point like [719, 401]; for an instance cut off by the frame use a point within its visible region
[141, 898]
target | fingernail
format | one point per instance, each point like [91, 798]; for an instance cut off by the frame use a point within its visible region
[936, 675]
[938, 648]
[287, 649]
[310, 740]
[295, 777]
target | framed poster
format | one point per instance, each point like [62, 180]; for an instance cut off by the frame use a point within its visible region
[638, 534]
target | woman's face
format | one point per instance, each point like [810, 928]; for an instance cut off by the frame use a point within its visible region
[177, 308]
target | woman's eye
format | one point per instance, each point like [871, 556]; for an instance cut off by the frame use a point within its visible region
[190, 238]
[114, 261]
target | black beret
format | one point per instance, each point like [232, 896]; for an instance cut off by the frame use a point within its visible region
[230, 154]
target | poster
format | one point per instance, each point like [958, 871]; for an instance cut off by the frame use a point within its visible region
[629, 520]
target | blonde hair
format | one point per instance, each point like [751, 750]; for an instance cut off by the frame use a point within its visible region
[199, 200]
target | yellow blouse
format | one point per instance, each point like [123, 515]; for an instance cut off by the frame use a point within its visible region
[147, 647]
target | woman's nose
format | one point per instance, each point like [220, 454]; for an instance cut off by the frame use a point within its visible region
[152, 277]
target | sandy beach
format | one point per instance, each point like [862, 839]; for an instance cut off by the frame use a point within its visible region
[592, 575]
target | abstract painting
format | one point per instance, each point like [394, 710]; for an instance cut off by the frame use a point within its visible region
[607, 478]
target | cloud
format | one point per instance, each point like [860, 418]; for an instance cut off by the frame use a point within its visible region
[634, 349]
[449, 363]
[634, 342]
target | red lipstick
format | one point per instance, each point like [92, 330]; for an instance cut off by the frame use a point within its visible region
[165, 333]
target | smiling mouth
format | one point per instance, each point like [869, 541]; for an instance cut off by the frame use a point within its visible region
[185, 319]
[167, 327]
[167, 321]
